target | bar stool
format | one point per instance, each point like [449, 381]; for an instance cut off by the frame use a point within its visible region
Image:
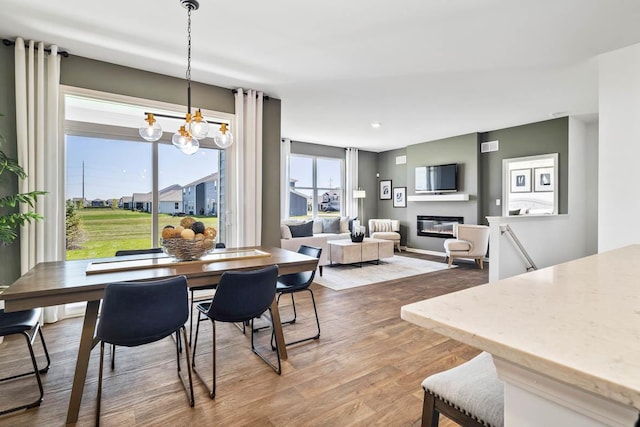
[27, 324]
[471, 394]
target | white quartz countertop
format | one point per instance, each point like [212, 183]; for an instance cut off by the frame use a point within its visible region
[577, 322]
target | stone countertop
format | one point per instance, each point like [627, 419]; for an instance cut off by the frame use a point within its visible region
[577, 322]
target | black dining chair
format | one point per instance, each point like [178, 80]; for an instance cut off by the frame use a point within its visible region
[125, 252]
[300, 282]
[27, 324]
[138, 313]
[240, 297]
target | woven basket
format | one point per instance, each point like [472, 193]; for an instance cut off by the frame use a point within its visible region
[186, 250]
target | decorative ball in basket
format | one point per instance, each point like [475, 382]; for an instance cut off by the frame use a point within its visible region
[188, 241]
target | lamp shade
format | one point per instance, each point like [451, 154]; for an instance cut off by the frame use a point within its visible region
[359, 194]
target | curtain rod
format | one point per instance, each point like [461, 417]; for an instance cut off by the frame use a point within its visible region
[8, 42]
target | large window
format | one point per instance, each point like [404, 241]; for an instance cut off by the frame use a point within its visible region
[114, 178]
[315, 187]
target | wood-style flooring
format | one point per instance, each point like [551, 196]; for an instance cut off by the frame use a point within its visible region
[365, 370]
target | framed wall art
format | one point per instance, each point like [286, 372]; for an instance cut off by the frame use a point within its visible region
[385, 189]
[400, 197]
[521, 181]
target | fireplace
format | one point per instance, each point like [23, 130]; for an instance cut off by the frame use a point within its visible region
[437, 226]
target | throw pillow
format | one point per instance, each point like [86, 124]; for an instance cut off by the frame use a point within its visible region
[344, 224]
[303, 230]
[331, 225]
[285, 232]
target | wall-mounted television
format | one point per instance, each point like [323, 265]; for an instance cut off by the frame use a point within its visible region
[437, 179]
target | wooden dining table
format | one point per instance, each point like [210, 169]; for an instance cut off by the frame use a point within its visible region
[64, 282]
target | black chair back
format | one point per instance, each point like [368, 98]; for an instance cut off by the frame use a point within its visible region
[136, 313]
[220, 245]
[243, 295]
[124, 252]
[297, 281]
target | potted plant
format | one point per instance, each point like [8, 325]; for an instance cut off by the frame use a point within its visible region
[10, 220]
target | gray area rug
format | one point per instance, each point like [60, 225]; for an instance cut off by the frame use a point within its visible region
[340, 277]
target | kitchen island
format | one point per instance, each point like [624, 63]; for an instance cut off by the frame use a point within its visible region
[565, 339]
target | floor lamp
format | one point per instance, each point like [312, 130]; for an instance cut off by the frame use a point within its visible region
[360, 195]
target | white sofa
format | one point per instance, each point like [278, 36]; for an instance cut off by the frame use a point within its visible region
[319, 238]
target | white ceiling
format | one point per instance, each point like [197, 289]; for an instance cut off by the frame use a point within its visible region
[425, 69]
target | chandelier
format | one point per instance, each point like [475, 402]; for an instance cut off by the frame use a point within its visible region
[195, 127]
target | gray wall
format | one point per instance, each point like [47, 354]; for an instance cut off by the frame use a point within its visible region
[462, 150]
[389, 170]
[551, 136]
[367, 167]
[9, 255]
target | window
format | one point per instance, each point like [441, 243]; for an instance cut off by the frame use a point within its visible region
[110, 175]
[315, 187]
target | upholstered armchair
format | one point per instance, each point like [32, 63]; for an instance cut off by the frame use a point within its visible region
[385, 229]
[471, 241]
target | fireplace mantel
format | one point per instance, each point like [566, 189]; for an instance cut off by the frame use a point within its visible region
[453, 197]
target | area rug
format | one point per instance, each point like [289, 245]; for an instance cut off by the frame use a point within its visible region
[340, 277]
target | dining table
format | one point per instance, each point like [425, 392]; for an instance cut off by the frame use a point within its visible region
[64, 282]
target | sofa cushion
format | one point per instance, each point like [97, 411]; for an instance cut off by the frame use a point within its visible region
[303, 230]
[331, 225]
[317, 226]
[456, 245]
[385, 235]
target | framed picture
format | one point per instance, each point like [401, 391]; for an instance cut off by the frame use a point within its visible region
[543, 179]
[521, 181]
[385, 190]
[400, 197]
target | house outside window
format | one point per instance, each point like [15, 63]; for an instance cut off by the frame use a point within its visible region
[315, 187]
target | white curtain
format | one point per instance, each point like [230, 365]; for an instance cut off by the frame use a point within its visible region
[351, 182]
[245, 163]
[37, 81]
[285, 185]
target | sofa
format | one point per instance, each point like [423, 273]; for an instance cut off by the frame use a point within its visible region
[316, 232]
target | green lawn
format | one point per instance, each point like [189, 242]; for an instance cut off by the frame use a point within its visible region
[108, 230]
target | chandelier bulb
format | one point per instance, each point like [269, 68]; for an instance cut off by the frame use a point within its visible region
[224, 137]
[198, 126]
[150, 129]
[191, 146]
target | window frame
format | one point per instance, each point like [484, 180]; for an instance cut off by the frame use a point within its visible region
[97, 130]
[315, 189]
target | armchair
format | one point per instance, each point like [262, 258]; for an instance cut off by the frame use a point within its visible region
[471, 241]
[386, 229]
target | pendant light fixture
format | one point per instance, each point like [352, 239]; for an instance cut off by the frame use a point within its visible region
[195, 127]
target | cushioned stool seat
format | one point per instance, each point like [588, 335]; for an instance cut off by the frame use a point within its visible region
[470, 394]
[457, 245]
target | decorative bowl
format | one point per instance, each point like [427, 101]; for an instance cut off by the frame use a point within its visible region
[186, 250]
[357, 238]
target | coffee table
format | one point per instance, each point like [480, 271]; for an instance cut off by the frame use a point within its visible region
[344, 251]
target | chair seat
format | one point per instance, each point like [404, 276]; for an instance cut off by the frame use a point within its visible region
[385, 235]
[473, 388]
[19, 321]
[455, 245]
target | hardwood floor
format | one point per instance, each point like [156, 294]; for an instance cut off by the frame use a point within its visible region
[366, 369]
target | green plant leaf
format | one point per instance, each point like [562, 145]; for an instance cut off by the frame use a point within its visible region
[28, 198]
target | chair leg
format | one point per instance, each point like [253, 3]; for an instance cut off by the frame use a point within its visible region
[113, 357]
[191, 320]
[320, 268]
[277, 369]
[430, 415]
[99, 396]
[36, 371]
[212, 390]
[481, 263]
[295, 314]
[315, 310]
[188, 389]
[450, 260]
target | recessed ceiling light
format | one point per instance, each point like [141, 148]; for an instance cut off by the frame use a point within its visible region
[376, 125]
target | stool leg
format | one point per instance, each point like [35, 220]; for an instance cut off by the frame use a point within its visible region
[429, 414]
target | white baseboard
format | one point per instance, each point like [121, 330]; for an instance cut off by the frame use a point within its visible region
[425, 252]
[436, 253]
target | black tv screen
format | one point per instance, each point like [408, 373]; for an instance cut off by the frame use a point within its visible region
[437, 179]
